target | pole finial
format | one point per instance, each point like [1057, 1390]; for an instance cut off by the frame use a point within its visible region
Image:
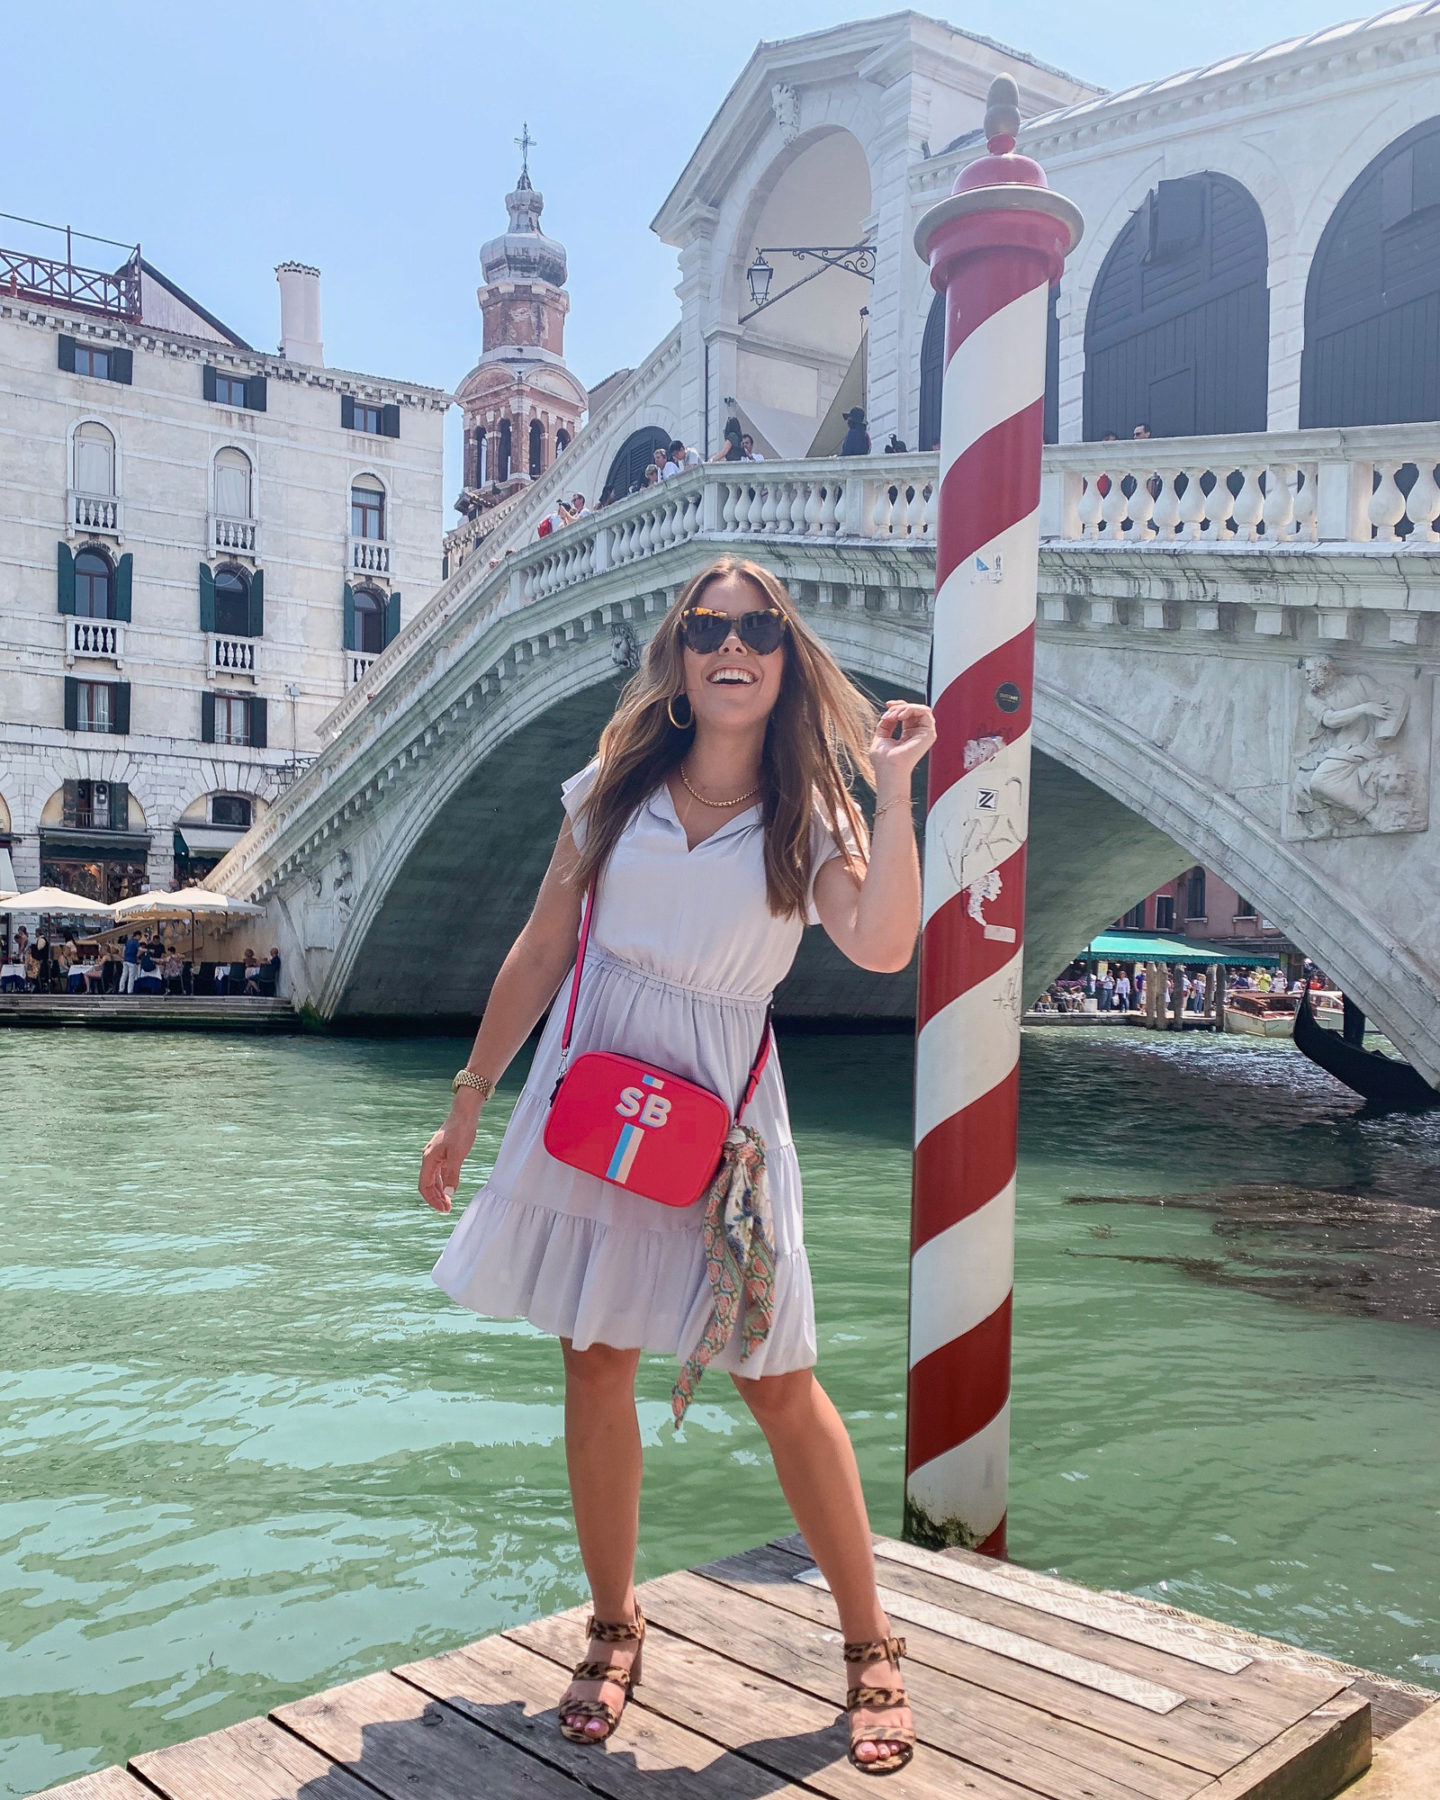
[1002, 115]
[525, 144]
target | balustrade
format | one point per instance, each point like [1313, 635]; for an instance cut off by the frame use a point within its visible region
[235, 537]
[357, 665]
[369, 557]
[94, 637]
[95, 512]
[232, 655]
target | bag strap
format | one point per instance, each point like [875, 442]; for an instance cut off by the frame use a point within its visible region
[762, 1054]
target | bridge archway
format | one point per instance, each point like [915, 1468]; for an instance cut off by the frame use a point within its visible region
[1177, 332]
[1372, 301]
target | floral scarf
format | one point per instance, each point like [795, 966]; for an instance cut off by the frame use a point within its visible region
[739, 1258]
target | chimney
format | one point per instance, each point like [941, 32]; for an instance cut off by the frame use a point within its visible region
[300, 313]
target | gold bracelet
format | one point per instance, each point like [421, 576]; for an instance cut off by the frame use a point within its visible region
[482, 1084]
[880, 811]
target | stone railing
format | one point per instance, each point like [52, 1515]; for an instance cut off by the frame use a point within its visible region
[234, 537]
[231, 655]
[462, 543]
[871, 500]
[94, 512]
[1370, 484]
[358, 664]
[94, 637]
[369, 556]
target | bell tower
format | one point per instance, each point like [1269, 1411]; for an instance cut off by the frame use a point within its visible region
[522, 406]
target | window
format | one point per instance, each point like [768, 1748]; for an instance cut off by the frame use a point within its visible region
[477, 466]
[562, 438]
[94, 460]
[89, 361]
[1134, 920]
[363, 415]
[1164, 912]
[234, 390]
[367, 508]
[97, 805]
[229, 390]
[232, 484]
[1244, 909]
[232, 603]
[369, 622]
[230, 809]
[232, 719]
[537, 447]
[94, 589]
[367, 418]
[110, 363]
[1195, 894]
[502, 454]
[92, 709]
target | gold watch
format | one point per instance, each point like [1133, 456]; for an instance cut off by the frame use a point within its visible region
[482, 1084]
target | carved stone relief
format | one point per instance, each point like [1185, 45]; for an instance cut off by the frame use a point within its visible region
[624, 645]
[785, 104]
[1360, 756]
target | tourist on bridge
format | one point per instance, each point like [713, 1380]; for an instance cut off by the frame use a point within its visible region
[857, 438]
[715, 822]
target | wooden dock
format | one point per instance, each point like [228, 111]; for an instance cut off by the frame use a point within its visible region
[1024, 1686]
[150, 1012]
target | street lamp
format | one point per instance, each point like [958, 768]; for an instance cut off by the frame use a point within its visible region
[758, 275]
[854, 259]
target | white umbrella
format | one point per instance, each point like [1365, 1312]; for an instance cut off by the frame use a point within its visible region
[54, 900]
[187, 903]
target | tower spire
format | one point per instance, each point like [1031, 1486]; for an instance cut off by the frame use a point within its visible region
[524, 144]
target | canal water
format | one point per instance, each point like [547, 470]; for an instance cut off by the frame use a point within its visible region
[247, 1449]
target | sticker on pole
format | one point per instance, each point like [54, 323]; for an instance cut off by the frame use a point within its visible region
[994, 570]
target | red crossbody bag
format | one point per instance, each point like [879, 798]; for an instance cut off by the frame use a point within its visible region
[633, 1123]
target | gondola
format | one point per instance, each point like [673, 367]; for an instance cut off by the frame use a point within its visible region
[1381, 1080]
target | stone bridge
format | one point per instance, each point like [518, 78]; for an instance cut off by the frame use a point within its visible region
[1234, 667]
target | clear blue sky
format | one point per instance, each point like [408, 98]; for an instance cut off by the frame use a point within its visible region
[375, 140]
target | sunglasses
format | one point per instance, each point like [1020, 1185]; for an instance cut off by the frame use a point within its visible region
[703, 629]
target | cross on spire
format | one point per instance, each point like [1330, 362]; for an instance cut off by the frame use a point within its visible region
[524, 145]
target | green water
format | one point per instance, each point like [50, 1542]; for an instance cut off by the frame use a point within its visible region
[247, 1449]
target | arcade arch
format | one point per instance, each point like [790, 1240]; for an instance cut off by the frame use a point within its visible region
[627, 466]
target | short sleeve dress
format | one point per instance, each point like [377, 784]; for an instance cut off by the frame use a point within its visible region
[684, 954]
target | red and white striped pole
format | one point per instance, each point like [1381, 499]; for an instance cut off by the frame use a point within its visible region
[994, 248]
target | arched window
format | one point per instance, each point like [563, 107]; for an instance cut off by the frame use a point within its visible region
[369, 621]
[562, 438]
[94, 586]
[477, 467]
[628, 468]
[1372, 303]
[232, 485]
[1177, 335]
[537, 448]
[94, 460]
[367, 508]
[232, 602]
[502, 459]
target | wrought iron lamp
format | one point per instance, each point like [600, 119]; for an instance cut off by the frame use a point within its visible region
[854, 259]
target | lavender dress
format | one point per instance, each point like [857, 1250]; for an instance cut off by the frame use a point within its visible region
[684, 953]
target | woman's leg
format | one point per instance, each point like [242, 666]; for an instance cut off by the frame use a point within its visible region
[602, 1455]
[815, 1462]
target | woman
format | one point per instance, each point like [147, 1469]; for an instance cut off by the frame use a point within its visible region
[718, 821]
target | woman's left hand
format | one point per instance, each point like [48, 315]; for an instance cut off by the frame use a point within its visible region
[894, 757]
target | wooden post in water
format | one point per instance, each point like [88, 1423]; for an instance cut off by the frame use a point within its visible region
[995, 247]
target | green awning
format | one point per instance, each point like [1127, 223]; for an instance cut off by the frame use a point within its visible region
[1149, 946]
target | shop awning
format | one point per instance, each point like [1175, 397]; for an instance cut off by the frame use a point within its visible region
[1149, 946]
[94, 846]
[206, 840]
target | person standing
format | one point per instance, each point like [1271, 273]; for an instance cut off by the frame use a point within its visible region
[857, 438]
[714, 823]
[130, 963]
[748, 450]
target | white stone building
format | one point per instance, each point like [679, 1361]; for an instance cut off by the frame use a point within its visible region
[202, 547]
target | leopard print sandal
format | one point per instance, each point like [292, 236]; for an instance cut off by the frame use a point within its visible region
[889, 1649]
[624, 1678]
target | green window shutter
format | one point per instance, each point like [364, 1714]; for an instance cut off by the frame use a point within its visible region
[259, 739]
[392, 618]
[67, 354]
[349, 617]
[209, 382]
[257, 604]
[256, 390]
[347, 402]
[207, 603]
[390, 421]
[72, 703]
[70, 805]
[122, 366]
[119, 806]
[65, 579]
[120, 708]
[207, 718]
[123, 570]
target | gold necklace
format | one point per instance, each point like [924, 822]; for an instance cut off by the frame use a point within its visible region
[717, 803]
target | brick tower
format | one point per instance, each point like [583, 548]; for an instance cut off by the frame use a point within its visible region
[522, 406]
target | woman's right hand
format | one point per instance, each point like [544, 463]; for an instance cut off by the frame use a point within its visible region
[443, 1158]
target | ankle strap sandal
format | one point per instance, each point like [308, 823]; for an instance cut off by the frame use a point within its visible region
[889, 1649]
[602, 1631]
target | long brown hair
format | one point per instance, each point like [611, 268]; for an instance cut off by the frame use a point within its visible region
[817, 740]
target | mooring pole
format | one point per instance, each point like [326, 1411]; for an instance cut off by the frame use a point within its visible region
[994, 247]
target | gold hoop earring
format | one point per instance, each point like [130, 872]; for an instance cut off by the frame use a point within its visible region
[680, 724]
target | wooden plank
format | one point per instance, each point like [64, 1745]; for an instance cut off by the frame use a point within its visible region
[1185, 1736]
[1311, 1761]
[1065, 1600]
[405, 1744]
[105, 1784]
[514, 1692]
[1084, 1671]
[806, 1655]
[768, 1722]
[254, 1760]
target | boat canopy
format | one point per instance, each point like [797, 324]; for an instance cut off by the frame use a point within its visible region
[1150, 946]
